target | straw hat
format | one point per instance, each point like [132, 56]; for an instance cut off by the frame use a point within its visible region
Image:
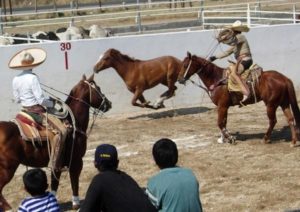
[27, 59]
[238, 26]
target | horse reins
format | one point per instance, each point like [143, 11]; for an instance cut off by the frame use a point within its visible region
[98, 110]
[95, 113]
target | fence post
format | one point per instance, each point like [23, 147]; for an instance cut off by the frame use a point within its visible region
[1, 22]
[248, 16]
[200, 14]
[294, 14]
[138, 17]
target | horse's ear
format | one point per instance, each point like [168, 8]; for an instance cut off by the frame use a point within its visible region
[83, 77]
[189, 55]
[91, 78]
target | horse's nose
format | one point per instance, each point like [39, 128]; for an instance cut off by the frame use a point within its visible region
[108, 105]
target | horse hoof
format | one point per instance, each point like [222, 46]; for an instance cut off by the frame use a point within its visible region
[268, 141]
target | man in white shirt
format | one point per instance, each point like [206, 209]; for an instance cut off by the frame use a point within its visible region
[26, 86]
[27, 91]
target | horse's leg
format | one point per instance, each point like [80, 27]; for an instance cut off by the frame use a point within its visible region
[138, 94]
[6, 174]
[222, 122]
[143, 100]
[271, 112]
[159, 103]
[75, 171]
[290, 119]
[55, 176]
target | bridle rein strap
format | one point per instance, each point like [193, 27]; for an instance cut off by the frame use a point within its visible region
[200, 86]
[98, 110]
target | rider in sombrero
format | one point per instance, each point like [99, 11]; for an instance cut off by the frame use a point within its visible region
[27, 91]
[239, 46]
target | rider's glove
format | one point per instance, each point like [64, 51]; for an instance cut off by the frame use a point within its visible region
[212, 58]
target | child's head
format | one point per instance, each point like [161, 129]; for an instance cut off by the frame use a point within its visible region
[165, 153]
[35, 182]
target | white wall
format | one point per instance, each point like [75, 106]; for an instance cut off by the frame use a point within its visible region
[274, 47]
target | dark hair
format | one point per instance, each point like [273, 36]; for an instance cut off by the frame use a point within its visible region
[165, 153]
[35, 182]
[107, 165]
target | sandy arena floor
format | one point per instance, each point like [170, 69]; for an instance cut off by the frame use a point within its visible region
[249, 176]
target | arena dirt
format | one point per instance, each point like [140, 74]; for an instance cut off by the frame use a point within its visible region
[248, 176]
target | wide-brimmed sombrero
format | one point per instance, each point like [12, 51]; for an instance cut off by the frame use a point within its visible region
[239, 26]
[27, 59]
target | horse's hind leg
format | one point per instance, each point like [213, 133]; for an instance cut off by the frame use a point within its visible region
[271, 112]
[159, 103]
[138, 95]
[290, 119]
[143, 100]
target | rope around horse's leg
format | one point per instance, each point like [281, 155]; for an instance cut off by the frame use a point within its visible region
[227, 137]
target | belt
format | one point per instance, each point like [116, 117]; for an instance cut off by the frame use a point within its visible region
[35, 109]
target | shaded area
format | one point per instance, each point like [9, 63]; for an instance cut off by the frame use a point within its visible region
[173, 112]
[276, 136]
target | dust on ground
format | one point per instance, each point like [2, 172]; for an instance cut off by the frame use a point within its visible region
[248, 176]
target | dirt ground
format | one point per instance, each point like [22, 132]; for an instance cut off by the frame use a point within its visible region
[248, 176]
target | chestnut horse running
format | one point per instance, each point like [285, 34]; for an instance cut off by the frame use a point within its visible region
[141, 75]
[15, 151]
[273, 88]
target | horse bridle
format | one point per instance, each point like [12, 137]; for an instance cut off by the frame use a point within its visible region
[95, 87]
[189, 66]
[197, 72]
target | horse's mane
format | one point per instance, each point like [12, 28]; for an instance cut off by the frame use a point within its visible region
[209, 68]
[124, 56]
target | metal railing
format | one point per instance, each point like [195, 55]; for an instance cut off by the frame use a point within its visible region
[141, 17]
[253, 17]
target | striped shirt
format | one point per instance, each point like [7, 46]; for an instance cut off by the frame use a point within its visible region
[43, 203]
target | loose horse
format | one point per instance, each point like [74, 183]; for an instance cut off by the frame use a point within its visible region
[273, 88]
[15, 151]
[141, 75]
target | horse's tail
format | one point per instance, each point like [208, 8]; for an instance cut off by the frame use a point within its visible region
[293, 102]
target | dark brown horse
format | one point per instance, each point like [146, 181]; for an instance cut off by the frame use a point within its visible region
[15, 151]
[141, 75]
[273, 88]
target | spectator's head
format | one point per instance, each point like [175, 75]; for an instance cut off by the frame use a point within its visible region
[35, 182]
[106, 157]
[165, 153]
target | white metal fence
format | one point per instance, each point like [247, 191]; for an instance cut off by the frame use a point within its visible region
[253, 17]
[141, 17]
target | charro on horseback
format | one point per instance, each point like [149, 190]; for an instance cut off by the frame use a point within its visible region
[238, 72]
[37, 120]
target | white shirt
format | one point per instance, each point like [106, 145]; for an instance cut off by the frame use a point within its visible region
[27, 90]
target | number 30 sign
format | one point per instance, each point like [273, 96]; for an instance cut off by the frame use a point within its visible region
[65, 47]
